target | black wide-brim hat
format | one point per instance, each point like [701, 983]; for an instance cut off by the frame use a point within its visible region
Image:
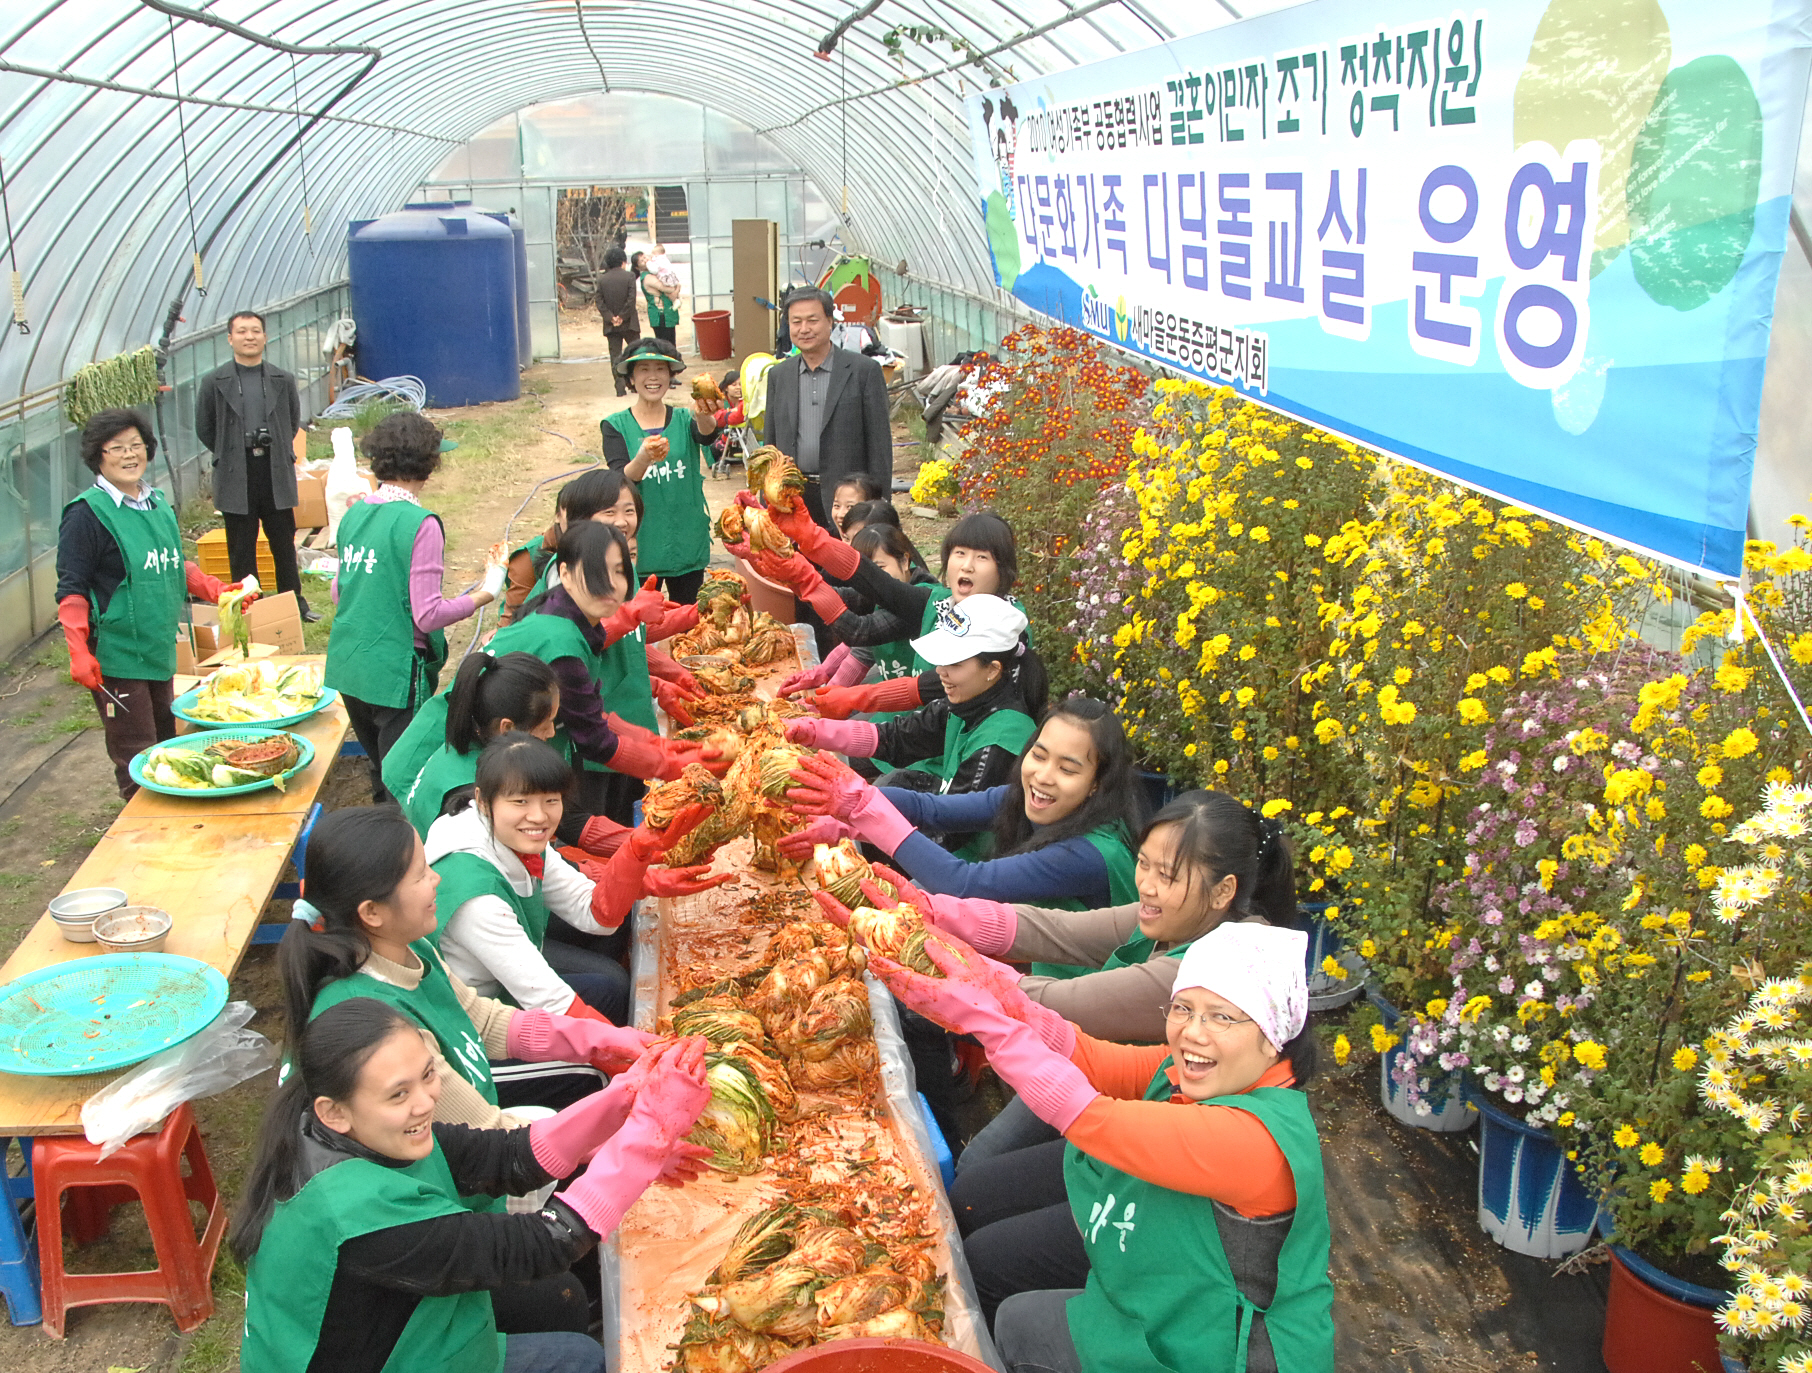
[651, 350]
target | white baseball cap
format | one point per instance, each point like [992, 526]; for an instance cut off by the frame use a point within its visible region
[975, 625]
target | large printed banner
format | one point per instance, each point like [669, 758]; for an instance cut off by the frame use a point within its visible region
[1533, 248]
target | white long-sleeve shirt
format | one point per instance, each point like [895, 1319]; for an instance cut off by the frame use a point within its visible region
[483, 942]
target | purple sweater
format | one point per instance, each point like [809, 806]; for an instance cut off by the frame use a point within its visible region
[427, 567]
[582, 708]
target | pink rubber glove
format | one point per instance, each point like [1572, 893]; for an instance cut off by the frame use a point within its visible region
[563, 1142]
[857, 738]
[645, 1147]
[538, 1037]
[827, 787]
[849, 672]
[1054, 1088]
[990, 926]
[808, 679]
[802, 578]
[826, 829]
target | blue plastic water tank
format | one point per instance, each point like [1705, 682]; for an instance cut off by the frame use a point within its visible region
[434, 294]
[525, 346]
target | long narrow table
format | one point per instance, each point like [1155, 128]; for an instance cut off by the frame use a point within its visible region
[212, 864]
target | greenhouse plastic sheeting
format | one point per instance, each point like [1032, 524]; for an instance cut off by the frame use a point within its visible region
[106, 217]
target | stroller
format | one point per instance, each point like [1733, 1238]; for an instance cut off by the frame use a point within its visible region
[742, 439]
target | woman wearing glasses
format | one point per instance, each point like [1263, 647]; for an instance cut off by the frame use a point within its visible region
[121, 584]
[1181, 1222]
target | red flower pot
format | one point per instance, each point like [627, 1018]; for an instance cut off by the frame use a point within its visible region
[1649, 1329]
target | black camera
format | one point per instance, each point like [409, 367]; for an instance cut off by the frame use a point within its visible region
[258, 442]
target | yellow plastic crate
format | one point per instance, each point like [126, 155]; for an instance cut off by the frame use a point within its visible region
[211, 555]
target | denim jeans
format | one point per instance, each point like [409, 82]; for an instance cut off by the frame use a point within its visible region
[556, 1352]
[1032, 1333]
[1013, 1129]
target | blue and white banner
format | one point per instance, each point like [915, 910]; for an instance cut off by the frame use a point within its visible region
[1532, 248]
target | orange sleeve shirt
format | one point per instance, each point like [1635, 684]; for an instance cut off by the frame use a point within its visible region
[1206, 1151]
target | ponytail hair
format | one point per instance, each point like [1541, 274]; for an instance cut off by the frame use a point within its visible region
[1026, 671]
[355, 855]
[325, 1061]
[1219, 836]
[1304, 1056]
[510, 686]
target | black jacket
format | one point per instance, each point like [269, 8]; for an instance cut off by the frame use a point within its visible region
[381, 1276]
[617, 297]
[919, 734]
[856, 437]
[218, 426]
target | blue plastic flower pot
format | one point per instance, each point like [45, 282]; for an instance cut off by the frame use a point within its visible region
[1531, 1199]
[1327, 993]
[1444, 1093]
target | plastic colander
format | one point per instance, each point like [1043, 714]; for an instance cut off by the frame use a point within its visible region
[91, 1015]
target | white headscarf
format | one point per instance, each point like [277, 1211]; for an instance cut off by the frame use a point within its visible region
[1259, 968]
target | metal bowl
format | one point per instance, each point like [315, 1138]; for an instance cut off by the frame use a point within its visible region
[76, 911]
[133, 929]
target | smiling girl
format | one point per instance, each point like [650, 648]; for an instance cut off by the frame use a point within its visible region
[1181, 1222]
[366, 927]
[979, 558]
[501, 880]
[360, 1254]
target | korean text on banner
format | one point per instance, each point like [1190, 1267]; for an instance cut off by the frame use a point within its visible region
[1532, 248]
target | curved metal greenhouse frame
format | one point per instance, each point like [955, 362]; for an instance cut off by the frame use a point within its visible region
[93, 140]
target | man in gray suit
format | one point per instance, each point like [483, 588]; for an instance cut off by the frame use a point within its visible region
[246, 414]
[827, 407]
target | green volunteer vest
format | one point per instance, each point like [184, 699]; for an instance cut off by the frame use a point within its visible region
[1110, 843]
[661, 311]
[135, 639]
[626, 686]
[466, 875]
[927, 623]
[675, 535]
[1161, 1295]
[424, 736]
[552, 637]
[444, 771]
[371, 654]
[433, 1005]
[289, 1278]
[1008, 729]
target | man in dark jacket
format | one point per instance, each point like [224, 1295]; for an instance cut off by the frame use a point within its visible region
[616, 306]
[247, 413]
[827, 407]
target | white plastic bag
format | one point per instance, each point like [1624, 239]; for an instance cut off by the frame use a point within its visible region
[344, 484]
[221, 1056]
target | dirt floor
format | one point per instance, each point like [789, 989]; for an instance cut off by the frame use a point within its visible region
[1418, 1287]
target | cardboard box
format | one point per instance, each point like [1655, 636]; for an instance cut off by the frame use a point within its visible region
[275, 622]
[311, 501]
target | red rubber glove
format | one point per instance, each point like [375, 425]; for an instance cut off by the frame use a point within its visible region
[652, 758]
[602, 836]
[839, 703]
[816, 542]
[855, 738]
[204, 587]
[538, 1037]
[629, 876]
[72, 614]
[826, 829]
[667, 668]
[795, 572]
[679, 621]
[809, 679]
[642, 1150]
[671, 699]
[581, 1010]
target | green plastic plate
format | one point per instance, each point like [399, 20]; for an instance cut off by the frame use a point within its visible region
[95, 1014]
[201, 741]
[181, 706]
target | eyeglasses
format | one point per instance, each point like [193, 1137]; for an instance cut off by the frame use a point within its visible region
[1178, 1016]
[124, 450]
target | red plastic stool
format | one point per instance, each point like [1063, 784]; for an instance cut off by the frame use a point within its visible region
[67, 1168]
